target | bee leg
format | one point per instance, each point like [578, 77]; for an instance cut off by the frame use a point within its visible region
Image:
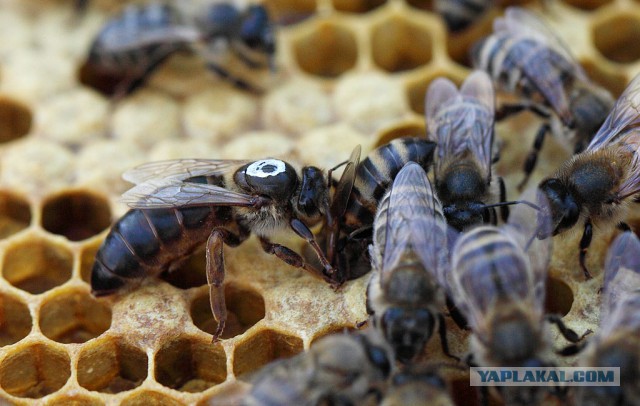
[215, 274]
[566, 332]
[442, 331]
[234, 80]
[504, 210]
[585, 241]
[133, 83]
[303, 231]
[532, 157]
[510, 109]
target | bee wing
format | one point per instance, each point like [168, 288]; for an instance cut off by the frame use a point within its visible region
[180, 169]
[544, 71]
[623, 119]
[158, 194]
[462, 122]
[345, 184]
[414, 220]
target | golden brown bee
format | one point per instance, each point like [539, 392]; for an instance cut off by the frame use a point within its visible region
[180, 204]
[497, 280]
[340, 369]
[526, 58]
[460, 14]
[595, 186]
[409, 249]
[133, 44]
[617, 344]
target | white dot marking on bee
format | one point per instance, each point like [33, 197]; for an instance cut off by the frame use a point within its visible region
[265, 168]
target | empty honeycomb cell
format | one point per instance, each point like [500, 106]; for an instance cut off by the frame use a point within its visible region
[34, 371]
[612, 80]
[15, 319]
[417, 88]
[15, 214]
[587, 4]
[73, 316]
[190, 274]
[287, 12]
[150, 398]
[617, 38]
[357, 6]
[190, 365]
[460, 45]
[262, 348]
[327, 51]
[16, 119]
[414, 128]
[245, 308]
[399, 44]
[76, 214]
[37, 265]
[110, 365]
[558, 297]
[74, 400]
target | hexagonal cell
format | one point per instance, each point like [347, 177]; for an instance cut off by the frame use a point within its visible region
[149, 398]
[413, 128]
[417, 89]
[327, 51]
[87, 258]
[76, 215]
[245, 307]
[399, 45]
[190, 274]
[111, 365]
[15, 214]
[287, 12]
[16, 119]
[75, 400]
[614, 81]
[191, 365]
[617, 38]
[74, 316]
[460, 44]
[357, 6]
[37, 265]
[558, 297]
[15, 319]
[34, 371]
[262, 348]
[587, 4]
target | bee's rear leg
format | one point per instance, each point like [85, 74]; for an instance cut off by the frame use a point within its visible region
[231, 78]
[303, 231]
[532, 156]
[215, 273]
[585, 241]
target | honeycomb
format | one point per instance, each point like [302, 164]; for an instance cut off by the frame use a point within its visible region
[350, 72]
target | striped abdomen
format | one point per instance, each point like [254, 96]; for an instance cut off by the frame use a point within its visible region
[375, 173]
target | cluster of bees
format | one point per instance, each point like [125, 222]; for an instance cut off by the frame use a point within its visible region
[424, 237]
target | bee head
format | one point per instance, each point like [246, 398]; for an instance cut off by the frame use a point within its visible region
[268, 177]
[461, 215]
[256, 31]
[313, 195]
[407, 331]
[563, 210]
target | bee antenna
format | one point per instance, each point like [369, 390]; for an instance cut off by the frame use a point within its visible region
[525, 202]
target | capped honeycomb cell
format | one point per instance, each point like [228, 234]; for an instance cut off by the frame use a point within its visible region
[263, 347]
[149, 398]
[15, 214]
[76, 214]
[37, 265]
[110, 365]
[189, 364]
[399, 44]
[357, 6]
[587, 4]
[327, 51]
[16, 119]
[34, 371]
[15, 319]
[245, 308]
[73, 316]
[617, 37]
[558, 297]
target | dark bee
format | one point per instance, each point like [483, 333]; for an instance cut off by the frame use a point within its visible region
[354, 208]
[462, 123]
[460, 14]
[132, 45]
[497, 280]
[525, 57]
[595, 186]
[409, 250]
[617, 344]
[180, 204]
[340, 369]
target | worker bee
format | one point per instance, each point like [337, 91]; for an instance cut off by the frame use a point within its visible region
[133, 44]
[417, 386]
[180, 204]
[497, 280]
[340, 369]
[462, 124]
[617, 343]
[595, 185]
[354, 206]
[460, 14]
[409, 248]
[525, 57]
